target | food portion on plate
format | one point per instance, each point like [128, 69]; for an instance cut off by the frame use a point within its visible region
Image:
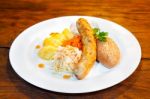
[51, 43]
[108, 52]
[88, 57]
[75, 53]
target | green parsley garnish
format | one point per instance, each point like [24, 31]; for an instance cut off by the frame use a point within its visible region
[100, 35]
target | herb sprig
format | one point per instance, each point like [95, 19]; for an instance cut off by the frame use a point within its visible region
[100, 35]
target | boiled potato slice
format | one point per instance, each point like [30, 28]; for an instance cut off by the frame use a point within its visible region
[55, 39]
[52, 42]
[58, 36]
[47, 52]
[67, 33]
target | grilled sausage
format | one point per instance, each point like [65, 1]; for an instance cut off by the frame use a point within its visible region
[89, 49]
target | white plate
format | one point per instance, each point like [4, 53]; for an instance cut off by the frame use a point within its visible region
[24, 59]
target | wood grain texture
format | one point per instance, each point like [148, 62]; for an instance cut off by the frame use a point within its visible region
[17, 15]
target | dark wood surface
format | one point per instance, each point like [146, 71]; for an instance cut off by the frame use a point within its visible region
[17, 15]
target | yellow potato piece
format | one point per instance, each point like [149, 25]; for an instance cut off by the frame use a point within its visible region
[47, 52]
[51, 42]
[55, 39]
[58, 36]
[66, 32]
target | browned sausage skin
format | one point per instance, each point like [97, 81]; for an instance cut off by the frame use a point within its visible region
[89, 49]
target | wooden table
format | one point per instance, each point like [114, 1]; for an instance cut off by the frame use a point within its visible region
[17, 15]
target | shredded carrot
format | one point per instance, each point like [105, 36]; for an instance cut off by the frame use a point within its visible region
[75, 41]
